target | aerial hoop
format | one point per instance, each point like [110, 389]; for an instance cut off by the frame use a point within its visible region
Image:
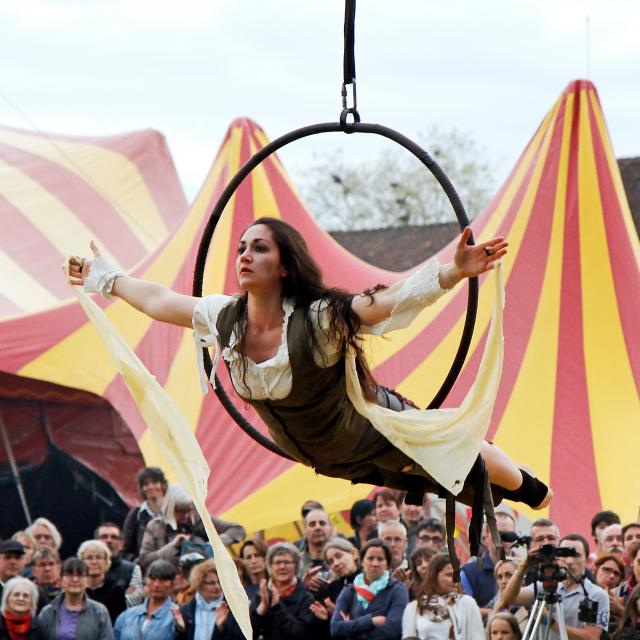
[349, 123]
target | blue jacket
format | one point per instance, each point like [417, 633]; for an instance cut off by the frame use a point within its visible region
[390, 602]
[479, 582]
[162, 625]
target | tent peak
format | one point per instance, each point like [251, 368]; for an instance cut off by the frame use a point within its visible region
[580, 84]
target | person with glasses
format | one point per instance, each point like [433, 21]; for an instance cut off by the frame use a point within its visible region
[124, 573]
[431, 534]
[18, 610]
[281, 610]
[609, 574]
[72, 615]
[207, 615]
[96, 555]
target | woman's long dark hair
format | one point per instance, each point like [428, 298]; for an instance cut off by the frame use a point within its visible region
[430, 584]
[303, 284]
[629, 616]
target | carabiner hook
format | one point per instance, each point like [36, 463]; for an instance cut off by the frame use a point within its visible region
[347, 127]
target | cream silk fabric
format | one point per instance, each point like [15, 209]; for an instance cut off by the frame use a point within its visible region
[177, 442]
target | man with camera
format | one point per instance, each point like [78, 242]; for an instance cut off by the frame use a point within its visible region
[561, 570]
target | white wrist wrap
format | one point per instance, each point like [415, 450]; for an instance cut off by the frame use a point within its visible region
[101, 277]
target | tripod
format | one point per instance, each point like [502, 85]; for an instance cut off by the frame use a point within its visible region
[550, 602]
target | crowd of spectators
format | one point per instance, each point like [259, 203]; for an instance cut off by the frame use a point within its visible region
[154, 577]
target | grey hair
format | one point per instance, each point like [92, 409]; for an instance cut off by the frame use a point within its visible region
[53, 530]
[94, 545]
[282, 548]
[342, 544]
[14, 583]
[390, 523]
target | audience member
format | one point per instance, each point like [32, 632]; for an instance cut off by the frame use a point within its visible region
[629, 625]
[11, 561]
[418, 565]
[572, 592]
[440, 610]
[97, 557]
[18, 619]
[394, 534]
[544, 531]
[183, 592]
[281, 610]
[503, 571]
[599, 523]
[503, 626]
[388, 504]
[46, 571]
[318, 530]
[412, 516]
[152, 485]
[45, 533]
[29, 544]
[612, 539]
[371, 608]
[165, 535]
[478, 579]
[609, 574]
[155, 618]
[123, 573]
[207, 615]
[72, 614]
[630, 537]
[253, 553]
[431, 534]
[363, 522]
[634, 577]
[310, 505]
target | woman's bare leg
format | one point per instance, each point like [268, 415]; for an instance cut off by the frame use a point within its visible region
[505, 473]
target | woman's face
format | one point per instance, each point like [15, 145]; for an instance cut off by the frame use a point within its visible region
[97, 563]
[19, 601]
[342, 563]
[422, 565]
[283, 568]
[444, 580]
[74, 583]
[501, 630]
[255, 562]
[374, 563]
[258, 266]
[29, 549]
[386, 510]
[608, 575]
[210, 588]
[43, 536]
[152, 489]
[504, 573]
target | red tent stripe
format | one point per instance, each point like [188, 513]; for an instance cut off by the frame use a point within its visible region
[89, 206]
[622, 259]
[571, 422]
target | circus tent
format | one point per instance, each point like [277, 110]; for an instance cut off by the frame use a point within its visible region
[568, 403]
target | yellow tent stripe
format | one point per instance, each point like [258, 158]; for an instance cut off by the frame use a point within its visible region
[109, 173]
[526, 428]
[612, 395]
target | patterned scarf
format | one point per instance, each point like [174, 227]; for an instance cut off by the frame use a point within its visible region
[17, 626]
[367, 592]
[436, 608]
[285, 591]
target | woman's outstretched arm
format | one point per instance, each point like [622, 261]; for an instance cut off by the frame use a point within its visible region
[153, 299]
[468, 261]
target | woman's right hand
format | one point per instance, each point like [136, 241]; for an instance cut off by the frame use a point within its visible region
[79, 267]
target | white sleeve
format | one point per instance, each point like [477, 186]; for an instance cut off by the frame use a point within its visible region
[205, 333]
[409, 617]
[419, 290]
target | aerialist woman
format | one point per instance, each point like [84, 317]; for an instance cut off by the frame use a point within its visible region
[288, 342]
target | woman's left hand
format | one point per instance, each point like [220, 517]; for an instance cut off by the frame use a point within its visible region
[222, 614]
[318, 610]
[472, 260]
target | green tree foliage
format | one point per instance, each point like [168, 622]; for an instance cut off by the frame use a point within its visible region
[394, 189]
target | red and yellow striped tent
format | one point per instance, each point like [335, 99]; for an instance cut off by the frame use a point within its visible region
[568, 403]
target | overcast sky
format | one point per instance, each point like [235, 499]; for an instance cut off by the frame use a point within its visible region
[188, 68]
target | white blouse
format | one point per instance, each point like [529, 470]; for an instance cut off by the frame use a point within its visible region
[271, 379]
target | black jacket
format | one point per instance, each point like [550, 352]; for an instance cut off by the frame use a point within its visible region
[32, 634]
[230, 631]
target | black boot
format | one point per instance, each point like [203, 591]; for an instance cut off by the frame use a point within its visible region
[532, 492]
